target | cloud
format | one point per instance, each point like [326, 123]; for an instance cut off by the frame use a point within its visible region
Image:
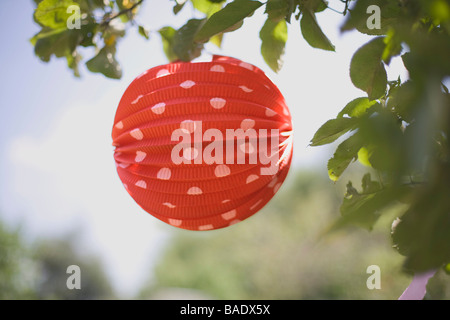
[68, 179]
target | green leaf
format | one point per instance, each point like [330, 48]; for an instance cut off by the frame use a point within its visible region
[388, 143]
[422, 233]
[53, 13]
[217, 40]
[447, 268]
[178, 6]
[167, 35]
[143, 31]
[356, 108]
[345, 153]
[393, 46]
[279, 9]
[314, 5]
[274, 36]
[105, 63]
[229, 16]
[206, 6]
[367, 70]
[364, 155]
[184, 46]
[332, 129]
[90, 5]
[61, 43]
[364, 209]
[88, 31]
[403, 102]
[312, 32]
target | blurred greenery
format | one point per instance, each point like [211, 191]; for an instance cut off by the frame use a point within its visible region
[286, 251]
[38, 270]
[15, 266]
[283, 253]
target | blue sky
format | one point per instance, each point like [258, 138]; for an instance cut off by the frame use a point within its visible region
[56, 159]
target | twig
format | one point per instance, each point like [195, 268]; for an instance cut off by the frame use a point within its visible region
[125, 11]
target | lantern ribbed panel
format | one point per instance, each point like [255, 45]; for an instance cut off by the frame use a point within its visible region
[225, 93]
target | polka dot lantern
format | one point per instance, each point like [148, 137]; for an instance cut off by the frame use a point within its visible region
[202, 145]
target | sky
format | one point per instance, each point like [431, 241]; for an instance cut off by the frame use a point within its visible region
[56, 159]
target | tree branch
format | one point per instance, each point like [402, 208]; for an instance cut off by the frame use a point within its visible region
[120, 13]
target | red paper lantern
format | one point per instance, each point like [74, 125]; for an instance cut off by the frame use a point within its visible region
[202, 145]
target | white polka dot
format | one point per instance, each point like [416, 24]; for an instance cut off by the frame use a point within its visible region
[137, 134]
[188, 125]
[190, 153]
[234, 222]
[159, 108]
[141, 184]
[187, 84]
[285, 111]
[169, 205]
[277, 187]
[270, 113]
[194, 191]
[162, 72]
[124, 165]
[229, 215]
[217, 103]
[226, 200]
[164, 174]
[251, 178]
[247, 124]
[140, 156]
[175, 222]
[125, 185]
[217, 68]
[137, 99]
[119, 125]
[246, 65]
[256, 204]
[246, 89]
[247, 147]
[206, 227]
[222, 170]
[272, 183]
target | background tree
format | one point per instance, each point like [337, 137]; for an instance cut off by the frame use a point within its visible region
[16, 267]
[53, 256]
[398, 129]
[280, 256]
[38, 271]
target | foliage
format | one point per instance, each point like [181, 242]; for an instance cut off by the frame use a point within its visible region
[53, 256]
[399, 129]
[276, 255]
[15, 266]
[38, 271]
